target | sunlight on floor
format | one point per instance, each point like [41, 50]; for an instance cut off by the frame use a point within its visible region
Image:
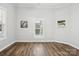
[39, 50]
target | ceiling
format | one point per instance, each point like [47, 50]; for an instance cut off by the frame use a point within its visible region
[42, 5]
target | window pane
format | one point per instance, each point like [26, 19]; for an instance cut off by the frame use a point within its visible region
[37, 31]
[37, 25]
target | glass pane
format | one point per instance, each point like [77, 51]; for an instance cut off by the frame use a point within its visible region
[0, 14]
[37, 31]
[37, 25]
[0, 27]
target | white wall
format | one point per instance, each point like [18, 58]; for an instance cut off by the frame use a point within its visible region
[63, 34]
[52, 32]
[29, 14]
[69, 34]
[10, 26]
[75, 24]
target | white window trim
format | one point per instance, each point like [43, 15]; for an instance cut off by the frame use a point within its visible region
[36, 19]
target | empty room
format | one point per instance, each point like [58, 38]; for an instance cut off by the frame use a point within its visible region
[39, 29]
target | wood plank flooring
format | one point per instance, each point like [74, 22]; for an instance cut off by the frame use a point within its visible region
[39, 49]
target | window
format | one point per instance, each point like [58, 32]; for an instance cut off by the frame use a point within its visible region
[2, 23]
[38, 28]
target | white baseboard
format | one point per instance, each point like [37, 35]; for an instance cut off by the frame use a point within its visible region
[7, 46]
[68, 44]
[49, 41]
[36, 40]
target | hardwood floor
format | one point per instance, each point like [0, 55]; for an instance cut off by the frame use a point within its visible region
[40, 49]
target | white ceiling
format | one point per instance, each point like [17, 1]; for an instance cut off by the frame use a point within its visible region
[41, 5]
